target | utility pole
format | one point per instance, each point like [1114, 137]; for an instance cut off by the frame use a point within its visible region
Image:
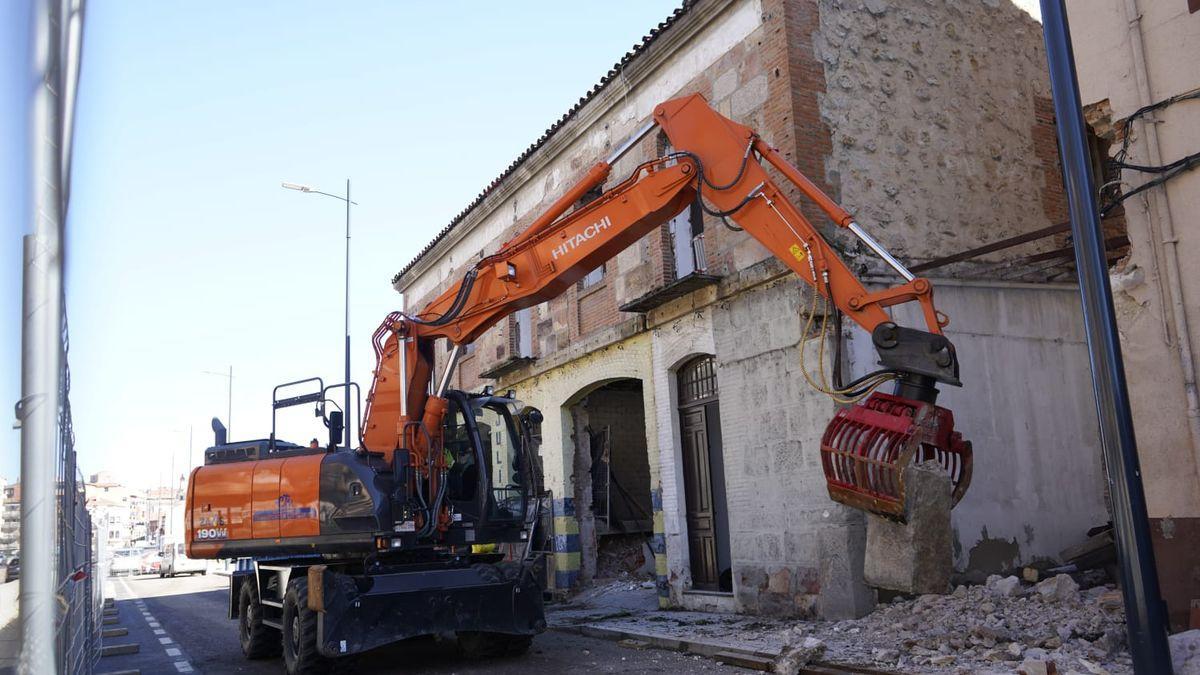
[1145, 613]
[346, 412]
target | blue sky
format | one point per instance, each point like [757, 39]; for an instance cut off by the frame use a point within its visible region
[185, 254]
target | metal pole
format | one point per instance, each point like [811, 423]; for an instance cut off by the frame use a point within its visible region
[450, 364]
[229, 407]
[171, 507]
[41, 351]
[346, 410]
[1145, 613]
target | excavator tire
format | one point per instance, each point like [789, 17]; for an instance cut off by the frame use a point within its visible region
[300, 654]
[480, 645]
[259, 641]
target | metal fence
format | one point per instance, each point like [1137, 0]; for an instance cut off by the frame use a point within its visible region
[80, 590]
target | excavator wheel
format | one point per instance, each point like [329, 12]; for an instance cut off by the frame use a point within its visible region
[481, 645]
[259, 641]
[300, 655]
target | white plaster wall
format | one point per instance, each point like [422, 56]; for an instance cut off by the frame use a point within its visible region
[1105, 61]
[1026, 406]
[673, 344]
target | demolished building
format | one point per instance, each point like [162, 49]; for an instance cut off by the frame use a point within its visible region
[675, 409]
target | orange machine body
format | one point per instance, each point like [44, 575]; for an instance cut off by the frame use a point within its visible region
[269, 502]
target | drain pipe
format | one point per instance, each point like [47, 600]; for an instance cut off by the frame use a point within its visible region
[1161, 206]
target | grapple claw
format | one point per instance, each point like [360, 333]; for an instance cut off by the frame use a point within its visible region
[867, 446]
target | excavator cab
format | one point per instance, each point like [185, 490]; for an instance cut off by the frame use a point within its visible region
[490, 467]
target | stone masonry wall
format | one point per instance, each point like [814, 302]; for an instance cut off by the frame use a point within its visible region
[937, 113]
[771, 424]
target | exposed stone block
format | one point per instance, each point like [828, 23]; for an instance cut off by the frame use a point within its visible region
[844, 594]
[917, 556]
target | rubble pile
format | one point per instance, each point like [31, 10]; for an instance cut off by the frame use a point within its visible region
[1003, 626]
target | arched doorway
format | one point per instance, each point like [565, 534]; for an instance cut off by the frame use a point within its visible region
[612, 481]
[704, 476]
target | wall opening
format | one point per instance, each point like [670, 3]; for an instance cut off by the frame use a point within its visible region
[612, 483]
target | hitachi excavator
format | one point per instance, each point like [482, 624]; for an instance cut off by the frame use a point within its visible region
[345, 549]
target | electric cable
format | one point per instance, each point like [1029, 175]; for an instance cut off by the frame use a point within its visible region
[1165, 171]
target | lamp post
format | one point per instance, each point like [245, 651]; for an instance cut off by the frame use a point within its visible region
[346, 199]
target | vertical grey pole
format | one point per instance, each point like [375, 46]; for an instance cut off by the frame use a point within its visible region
[1145, 613]
[41, 352]
[346, 410]
[171, 507]
[229, 408]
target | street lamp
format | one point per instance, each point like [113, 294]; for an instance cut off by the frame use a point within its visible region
[346, 199]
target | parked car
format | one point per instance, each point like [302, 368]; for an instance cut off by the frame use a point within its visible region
[175, 561]
[151, 562]
[125, 561]
[12, 569]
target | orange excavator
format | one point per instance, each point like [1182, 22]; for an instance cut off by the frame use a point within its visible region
[342, 550]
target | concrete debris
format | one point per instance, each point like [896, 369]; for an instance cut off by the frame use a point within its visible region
[916, 556]
[1185, 652]
[624, 556]
[1053, 628]
[1003, 626]
[799, 651]
[1061, 588]
[1003, 585]
[1037, 667]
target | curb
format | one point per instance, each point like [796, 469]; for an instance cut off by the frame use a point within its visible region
[723, 653]
[118, 650]
[699, 647]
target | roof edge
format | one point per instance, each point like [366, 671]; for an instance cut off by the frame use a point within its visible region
[493, 186]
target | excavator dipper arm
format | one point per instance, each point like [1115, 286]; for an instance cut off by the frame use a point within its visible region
[720, 163]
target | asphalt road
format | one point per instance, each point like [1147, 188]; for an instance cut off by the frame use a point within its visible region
[180, 626]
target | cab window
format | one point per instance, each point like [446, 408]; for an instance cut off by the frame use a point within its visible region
[502, 451]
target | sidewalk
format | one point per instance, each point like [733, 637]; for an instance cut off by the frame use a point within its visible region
[627, 612]
[10, 628]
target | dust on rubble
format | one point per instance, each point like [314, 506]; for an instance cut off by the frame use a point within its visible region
[1004, 626]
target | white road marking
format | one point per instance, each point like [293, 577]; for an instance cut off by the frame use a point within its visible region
[169, 646]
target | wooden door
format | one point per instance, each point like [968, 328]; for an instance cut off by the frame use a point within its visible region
[701, 515]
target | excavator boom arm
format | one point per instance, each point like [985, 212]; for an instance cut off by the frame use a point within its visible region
[715, 160]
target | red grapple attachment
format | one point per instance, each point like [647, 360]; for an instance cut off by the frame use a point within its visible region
[867, 446]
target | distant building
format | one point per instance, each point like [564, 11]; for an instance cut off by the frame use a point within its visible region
[10, 519]
[128, 516]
